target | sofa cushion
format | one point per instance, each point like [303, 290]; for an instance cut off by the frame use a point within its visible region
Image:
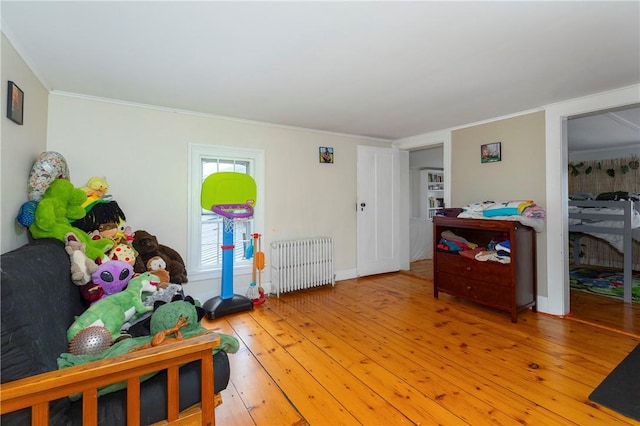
[38, 302]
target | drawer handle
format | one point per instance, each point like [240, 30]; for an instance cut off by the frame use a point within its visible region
[468, 268]
[468, 287]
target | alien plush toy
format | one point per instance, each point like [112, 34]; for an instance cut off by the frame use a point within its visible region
[61, 203]
[110, 277]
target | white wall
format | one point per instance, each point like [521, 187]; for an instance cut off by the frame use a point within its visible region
[20, 144]
[143, 153]
[430, 157]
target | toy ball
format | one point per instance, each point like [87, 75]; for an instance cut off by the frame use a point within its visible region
[92, 340]
[27, 213]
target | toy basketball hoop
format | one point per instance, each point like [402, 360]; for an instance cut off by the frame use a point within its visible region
[233, 214]
[229, 193]
[232, 196]
[233, 211]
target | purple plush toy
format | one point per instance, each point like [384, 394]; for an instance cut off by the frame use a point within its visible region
[113, 276]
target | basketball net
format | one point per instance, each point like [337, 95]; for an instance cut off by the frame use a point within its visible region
[233, 224]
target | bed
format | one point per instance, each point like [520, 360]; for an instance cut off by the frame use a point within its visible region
[617, 222]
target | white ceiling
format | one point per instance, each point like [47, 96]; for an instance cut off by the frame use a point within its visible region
[605, 129]
[378, 69]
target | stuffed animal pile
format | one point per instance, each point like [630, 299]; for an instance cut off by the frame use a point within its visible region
[115, 269]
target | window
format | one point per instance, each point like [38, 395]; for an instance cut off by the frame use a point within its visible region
[204, 258]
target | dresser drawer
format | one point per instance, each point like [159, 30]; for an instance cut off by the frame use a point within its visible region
[488, 294]
[491, 272]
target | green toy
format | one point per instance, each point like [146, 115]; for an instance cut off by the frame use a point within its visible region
[60, 204]
[116, 309]
[164, 317]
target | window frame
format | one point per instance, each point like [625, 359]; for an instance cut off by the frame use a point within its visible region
[198, 153]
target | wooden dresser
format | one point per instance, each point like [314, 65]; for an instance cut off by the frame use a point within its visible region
[507, 287]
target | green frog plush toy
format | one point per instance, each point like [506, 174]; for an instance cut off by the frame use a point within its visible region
[61, 204]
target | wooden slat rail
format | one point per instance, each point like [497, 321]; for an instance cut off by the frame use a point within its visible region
[37, 391]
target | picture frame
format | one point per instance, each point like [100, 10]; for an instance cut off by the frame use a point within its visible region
[326, 154]
[15, 103]
[491, 152]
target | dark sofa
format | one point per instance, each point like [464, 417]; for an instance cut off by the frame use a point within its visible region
[38, 304]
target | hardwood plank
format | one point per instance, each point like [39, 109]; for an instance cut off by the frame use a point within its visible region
[503, 365]
[301, 387]
[253, 387]
[510, 337]
[445, 382]
[341, 381]
[384, 384]
[605, 312]
[233, 412]
[382, 350]
[370, 359]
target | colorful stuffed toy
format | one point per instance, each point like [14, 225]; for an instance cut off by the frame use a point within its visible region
[103, 219]
[96, 187]
[60, 204]
[112, 276]
[147, 247]
[158, 267]
[124, 252]
[81, 266]
[113, 311]
[95, 190]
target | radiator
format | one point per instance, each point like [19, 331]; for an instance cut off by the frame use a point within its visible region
[301, 264]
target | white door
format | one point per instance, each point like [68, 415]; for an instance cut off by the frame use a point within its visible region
[376, 204]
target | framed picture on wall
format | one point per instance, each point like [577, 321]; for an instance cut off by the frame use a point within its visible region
[491, 152]
[15, 103]
[326, 154]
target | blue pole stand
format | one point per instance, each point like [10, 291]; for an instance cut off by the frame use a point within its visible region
[227, 303]
[227, 263]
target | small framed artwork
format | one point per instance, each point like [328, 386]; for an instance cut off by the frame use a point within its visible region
[326, 154]
[15, 103]
[491, 152]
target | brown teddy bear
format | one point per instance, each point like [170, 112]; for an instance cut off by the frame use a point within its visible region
[147, 247]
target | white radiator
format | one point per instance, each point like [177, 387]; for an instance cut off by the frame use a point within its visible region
[301, 264]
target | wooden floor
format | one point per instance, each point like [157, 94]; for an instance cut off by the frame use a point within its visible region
[381, 350]
[602, 311]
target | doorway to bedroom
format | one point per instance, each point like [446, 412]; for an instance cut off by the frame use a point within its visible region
[603, 150]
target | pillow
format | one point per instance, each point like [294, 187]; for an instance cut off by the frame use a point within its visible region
[507, 208]
[581, 196]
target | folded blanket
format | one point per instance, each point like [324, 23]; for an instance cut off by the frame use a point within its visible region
[504, 246]
[507, 208]
[471, 254]
[449, 236]
[492, 255]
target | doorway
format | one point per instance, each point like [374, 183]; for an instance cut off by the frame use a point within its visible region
[426, 174]
[609, 137]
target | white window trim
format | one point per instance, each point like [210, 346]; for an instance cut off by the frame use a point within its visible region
[197, 152]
